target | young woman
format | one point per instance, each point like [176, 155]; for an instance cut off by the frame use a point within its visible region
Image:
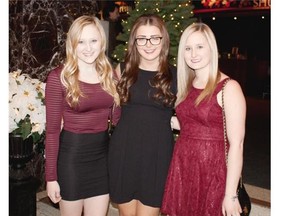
[80, 95]
[141, 146]
[198, 182]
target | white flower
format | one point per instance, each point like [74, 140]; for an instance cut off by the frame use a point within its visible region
[27, 113]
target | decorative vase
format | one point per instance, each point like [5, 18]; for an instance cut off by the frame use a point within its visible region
[20, 153]
[22, 184]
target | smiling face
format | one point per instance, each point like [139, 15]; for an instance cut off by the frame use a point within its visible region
[89, 45]
[149, 52]
[197, 52]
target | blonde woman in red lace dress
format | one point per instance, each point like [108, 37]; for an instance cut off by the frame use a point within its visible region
[198, 183]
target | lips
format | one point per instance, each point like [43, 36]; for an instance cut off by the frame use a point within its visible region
[149, 51]
[195, 60]
[88, 54]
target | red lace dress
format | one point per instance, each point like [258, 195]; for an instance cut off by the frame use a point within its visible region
[196, 180]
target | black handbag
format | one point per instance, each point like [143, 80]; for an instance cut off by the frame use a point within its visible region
[242, 194]
[244, 199]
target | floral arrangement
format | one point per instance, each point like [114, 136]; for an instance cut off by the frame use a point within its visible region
[27, 113]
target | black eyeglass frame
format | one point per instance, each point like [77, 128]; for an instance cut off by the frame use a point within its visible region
[148, 39]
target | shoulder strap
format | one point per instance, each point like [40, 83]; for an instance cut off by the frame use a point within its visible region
[220, 85]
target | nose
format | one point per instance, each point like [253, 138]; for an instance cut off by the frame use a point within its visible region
[88, 46]
[193, 53]
[148, 44]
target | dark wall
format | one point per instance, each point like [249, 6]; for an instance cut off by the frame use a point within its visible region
[37, 32]
[252, 35]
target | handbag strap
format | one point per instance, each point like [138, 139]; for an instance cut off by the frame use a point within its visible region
[225, 128]
[224, 123]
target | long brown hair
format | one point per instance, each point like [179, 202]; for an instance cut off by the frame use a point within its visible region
[162, 79]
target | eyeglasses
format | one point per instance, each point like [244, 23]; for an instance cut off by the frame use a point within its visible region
[152, 40]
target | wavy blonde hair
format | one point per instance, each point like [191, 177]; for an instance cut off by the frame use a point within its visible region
[186, 75]
[70, 71]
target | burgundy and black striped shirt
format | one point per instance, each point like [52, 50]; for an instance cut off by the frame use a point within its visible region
[91, 116]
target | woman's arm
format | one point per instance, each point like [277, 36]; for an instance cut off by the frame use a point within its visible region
[54, 109]
[235, 112]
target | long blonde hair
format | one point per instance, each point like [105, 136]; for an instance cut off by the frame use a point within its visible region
[70, 72]
[186, 75]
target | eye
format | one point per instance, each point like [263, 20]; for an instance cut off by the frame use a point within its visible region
[94, 41]
[155, 39]
[80, 42]
[187, 48]
[141, 39]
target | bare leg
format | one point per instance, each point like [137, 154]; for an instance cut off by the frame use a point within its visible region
[144, 210]
[71, 208]
[128, 209]
[135, 207]
[96, 206]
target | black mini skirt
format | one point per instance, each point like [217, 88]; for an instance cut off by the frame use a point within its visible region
[82, 165]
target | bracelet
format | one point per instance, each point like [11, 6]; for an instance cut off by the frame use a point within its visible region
[233, 198]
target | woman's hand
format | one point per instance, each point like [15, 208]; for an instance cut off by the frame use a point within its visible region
[175, 123]
[231, 206]
[53, 191]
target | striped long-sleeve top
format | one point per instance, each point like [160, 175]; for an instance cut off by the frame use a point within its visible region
[90, 116]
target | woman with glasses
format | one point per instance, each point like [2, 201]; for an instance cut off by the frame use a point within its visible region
[141, 146]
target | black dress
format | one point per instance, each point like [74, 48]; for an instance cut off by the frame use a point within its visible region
[141, 146]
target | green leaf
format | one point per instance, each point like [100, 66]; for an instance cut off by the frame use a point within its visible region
[24, 128]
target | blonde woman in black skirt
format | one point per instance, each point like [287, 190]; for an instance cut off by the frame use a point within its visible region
[81, 94]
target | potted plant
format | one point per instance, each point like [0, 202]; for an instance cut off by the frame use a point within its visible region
[27, 116]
